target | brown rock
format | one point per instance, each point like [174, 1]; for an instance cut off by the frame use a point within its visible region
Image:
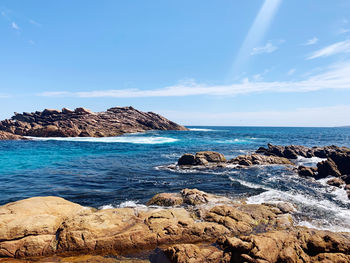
[258, 159]
[335, 182]
[327, 168]
[166, 199]
[307, 171]
[209, 157]
[83, 122]
[10, 136]
[190, 253]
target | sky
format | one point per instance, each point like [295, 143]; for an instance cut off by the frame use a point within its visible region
[198, 62]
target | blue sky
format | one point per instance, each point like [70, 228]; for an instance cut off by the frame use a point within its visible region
[257, 62]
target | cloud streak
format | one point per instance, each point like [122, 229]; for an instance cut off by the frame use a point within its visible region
[335, 77]
[311, 41]
[15, 26]
[336, 48]
[268, 48]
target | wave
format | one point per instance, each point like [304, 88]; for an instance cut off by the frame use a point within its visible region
[308, 161]
[233, 141]
[120, 139]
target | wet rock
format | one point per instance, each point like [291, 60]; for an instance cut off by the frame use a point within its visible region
[187, 159]
[327, 168]
[209, 157]
[83, 122]
[335, 182]
[342, 161]
[307, 171]
[258, 159]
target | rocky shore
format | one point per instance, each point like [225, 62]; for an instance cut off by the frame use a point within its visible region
[190, 226]
[335, 163]
[83, 123]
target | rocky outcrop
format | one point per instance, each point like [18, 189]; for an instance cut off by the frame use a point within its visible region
[43, 226]
[293, 151]
[327, 168]
[85, 123]
[307, 171]
[300, 245]
[202, 231]
[258, 159]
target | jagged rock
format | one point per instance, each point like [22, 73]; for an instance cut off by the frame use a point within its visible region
[327, 168]
[293, 151]
[258, 159]
[204, 158]
[83, 122]
[301, 245]
[342, 160]
[307, 171]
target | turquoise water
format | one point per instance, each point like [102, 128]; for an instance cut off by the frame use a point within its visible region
[128, 170]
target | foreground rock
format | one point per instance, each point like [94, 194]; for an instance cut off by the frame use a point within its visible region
[85, 123]
[47, 227]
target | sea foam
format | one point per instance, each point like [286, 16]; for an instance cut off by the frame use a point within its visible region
[120, 139]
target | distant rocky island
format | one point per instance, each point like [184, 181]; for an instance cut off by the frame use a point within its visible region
[82, 122]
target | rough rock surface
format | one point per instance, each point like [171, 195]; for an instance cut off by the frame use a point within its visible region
[85, 123]
[293, 151]
[258, 159]
[202, 158]
[327, 168]
[52, 226]
[299, 245]
[307, 171]
[9, 136]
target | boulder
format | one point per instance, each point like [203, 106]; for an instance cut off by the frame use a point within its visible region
[342, 160]
[187, 159]
[166, 199]
[209, 157]
[327, 168]
[258, 159]
[335, 182]
[307, 171]
[10, 136]
[48, 112]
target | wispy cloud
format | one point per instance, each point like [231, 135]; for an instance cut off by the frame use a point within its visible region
[336, 48]
[267, 48]
[256, 33]
[15, 26]
[311, 41]
[343, 30]
[33, 22]
[334, 77]
[291, 72]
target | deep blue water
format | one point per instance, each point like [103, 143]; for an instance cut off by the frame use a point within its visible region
[98, 172]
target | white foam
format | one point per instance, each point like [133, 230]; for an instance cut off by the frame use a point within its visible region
[232, 141]
[109, 206]
[248, 184]
[338, 212]
[197, 129]
[131, 204]
[119, 139]
[308, 161]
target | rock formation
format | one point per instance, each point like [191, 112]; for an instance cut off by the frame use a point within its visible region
[45, 226]
[9, 136]
[84, 123]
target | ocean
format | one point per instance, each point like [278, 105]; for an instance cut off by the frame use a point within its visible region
[127, 171]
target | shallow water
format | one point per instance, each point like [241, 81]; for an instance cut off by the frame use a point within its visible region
[126, 170]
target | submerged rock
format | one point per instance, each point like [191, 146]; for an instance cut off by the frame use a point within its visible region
[83, 122]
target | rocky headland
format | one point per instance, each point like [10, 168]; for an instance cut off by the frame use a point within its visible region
[190, 226]
[82, 122]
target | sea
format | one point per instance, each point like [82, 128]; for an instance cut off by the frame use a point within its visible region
[126, 171]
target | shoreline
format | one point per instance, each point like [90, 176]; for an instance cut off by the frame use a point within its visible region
[44, 227]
